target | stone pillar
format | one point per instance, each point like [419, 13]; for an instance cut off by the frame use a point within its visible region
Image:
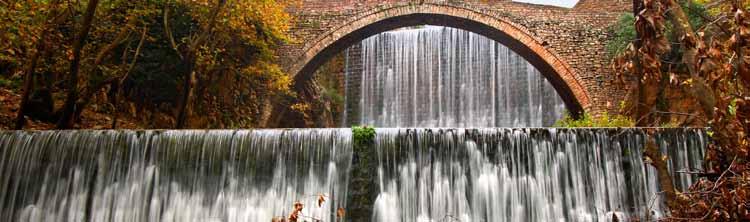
[363, 188]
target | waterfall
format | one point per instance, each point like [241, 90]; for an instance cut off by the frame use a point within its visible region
[445, 77]
[172, 175]
[420, 77]
[525, 174]
[491, 174]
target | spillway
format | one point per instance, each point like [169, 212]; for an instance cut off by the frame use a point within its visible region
[172, 175]
[439, 95]
[525, 174]
[445, 77]
[430, 174]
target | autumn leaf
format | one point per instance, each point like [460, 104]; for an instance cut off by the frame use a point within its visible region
[321, 200]
[340, 213]
[295, 215]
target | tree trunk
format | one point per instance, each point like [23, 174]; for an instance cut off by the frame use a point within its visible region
[27, 85]
[104, 53]
[187, 94]
[114, 93]
[66, 117]
[659, 161]
[189, 63]
[741, 66]
[682, 28]
[640, 109]
[116, 86]
[30, 67]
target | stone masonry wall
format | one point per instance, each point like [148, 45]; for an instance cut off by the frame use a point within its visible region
[577, 36]
[605, 5]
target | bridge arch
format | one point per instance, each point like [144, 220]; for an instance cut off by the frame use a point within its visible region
[555, 69]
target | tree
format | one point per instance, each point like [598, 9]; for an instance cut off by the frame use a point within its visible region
[131, 49]
[54, 17]
[189, 57]
[66, 118]
[711, 66]
[257, 26]
[102, 71]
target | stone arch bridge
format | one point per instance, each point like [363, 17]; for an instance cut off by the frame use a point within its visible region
[566, 45]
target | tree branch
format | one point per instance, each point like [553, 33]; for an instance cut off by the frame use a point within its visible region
[31, 63]
[659, 161]
[127, 74]
[168, 30]
[699, 87]
[78, 43]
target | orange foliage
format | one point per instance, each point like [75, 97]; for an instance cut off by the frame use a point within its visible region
[715, 69]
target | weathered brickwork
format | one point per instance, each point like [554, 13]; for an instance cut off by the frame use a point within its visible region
[567, 45]
[599, 5]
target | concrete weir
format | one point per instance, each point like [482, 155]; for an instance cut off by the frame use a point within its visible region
[491, 174]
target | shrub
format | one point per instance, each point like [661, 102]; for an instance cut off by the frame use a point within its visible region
[604, 121]
[363, 135]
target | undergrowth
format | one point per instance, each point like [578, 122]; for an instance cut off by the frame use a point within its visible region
[604, 121]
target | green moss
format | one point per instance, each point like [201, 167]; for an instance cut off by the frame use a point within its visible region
[363, 135]
[605, 120]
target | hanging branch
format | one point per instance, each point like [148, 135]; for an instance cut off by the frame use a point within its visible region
[89, 91]
[118, 85]
[168, 30]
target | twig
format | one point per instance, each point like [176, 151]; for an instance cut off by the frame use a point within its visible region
[168, 30]
[714, 4]
[713, 205]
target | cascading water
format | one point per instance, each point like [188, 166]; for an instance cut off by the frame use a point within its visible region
[426, 77]
[445, 77]
[172, 175]
[420, 174]
[524, 174]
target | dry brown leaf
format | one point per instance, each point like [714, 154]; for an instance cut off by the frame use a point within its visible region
[321, 200]
[340, 213]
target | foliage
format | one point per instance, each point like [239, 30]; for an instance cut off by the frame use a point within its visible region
[332, 95]
[623, 34]
[363, 135]
[602, 121]
[709, 61]
[22, 23]
[317, 102]
[720, 8]
[238, 54]
[10, 83]
[296, 214]
[327, 77]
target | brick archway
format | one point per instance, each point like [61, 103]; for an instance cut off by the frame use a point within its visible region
[556, 70]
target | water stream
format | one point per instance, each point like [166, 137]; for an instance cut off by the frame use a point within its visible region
[491, 174]
[425, 77]
[444, 77]
[525, 174]
[172, 175]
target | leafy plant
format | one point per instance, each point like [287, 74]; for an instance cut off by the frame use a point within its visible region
[703, 60]
[363, 135]
[623, 34]
[604, 121]
[10, 83]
